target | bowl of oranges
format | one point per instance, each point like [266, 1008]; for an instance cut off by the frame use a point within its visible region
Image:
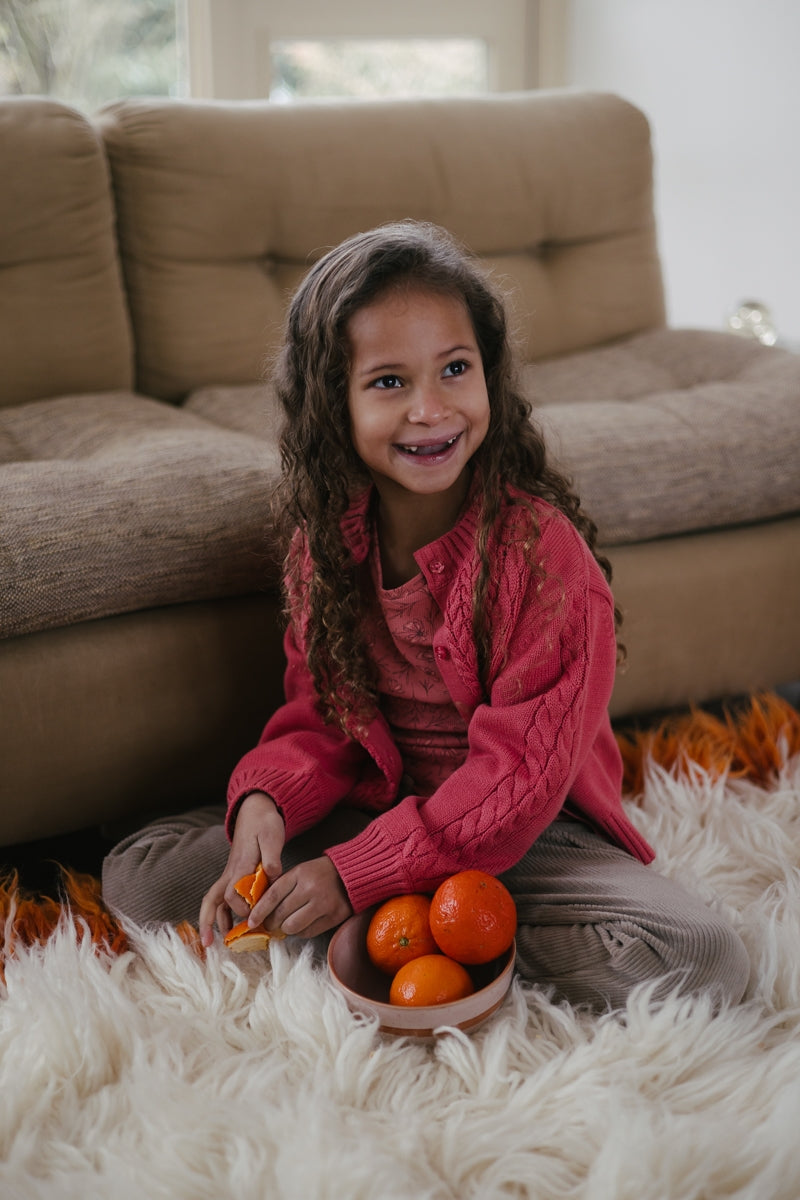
[425, 963]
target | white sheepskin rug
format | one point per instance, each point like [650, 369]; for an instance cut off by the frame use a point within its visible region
[153, 1072]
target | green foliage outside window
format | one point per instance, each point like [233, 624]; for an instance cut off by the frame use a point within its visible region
[378, 67]
[87, 52]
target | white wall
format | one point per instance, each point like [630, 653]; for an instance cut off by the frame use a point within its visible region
[720, 83]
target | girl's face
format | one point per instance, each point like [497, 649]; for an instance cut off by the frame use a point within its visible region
[417, 396]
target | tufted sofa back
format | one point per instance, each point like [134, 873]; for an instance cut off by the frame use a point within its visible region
[63, 316]
[222, 207]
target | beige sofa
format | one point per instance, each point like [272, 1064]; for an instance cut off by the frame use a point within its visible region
[145, 262]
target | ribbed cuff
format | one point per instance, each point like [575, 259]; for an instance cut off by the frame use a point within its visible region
[370, 868]
[295, 796]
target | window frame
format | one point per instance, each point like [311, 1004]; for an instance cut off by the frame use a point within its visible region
[229, 43]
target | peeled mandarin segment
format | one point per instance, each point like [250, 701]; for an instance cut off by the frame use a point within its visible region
[241, 937]
[254, 939]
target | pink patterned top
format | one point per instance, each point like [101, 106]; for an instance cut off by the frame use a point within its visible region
[425, 724]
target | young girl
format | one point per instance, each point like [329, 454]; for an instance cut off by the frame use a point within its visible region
[451, 649]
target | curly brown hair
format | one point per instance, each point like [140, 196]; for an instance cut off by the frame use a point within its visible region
[322, 472]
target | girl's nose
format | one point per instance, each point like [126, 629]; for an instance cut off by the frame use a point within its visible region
[428, 405]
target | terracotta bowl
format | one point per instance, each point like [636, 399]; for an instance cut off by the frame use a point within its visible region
[366, 988]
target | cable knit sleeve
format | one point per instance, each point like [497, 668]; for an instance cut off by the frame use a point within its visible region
[544, 728]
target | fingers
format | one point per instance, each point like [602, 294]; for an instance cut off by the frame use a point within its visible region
[266, 910]
[212, 909]
[220, 900]
[259, 826]
[258, 836]
[292, 912]
[307, 900]
[271, 858]
[234, 901]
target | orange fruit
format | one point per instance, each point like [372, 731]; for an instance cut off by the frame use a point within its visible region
[473, 917]
[252, 887]
[430, 979]
[399, 932]
[242, 938]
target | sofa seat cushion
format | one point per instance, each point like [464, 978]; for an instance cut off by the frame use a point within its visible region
[674, 431]
[246, 408]
[112, 502]
[669, 432]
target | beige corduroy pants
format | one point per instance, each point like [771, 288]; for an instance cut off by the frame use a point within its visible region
[593, 921]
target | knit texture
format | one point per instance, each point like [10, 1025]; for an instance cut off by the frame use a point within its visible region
[543, 736]
[428, 729]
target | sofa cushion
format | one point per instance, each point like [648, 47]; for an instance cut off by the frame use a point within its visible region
[114, 502]
[223, 206]
[252, 409]
[63, 315]
[674, 431]
[665, 433]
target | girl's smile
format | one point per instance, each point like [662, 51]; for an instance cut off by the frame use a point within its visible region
[430, 451]
[417, 396]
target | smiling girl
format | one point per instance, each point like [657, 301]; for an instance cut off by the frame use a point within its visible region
[451, 649]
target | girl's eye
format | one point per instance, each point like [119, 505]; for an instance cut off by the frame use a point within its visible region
[387, 381]
[458, 367]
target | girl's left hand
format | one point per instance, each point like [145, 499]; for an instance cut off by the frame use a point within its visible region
[306, 900]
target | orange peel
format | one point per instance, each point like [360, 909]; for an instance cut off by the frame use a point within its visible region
[242, 937]
[252, 887]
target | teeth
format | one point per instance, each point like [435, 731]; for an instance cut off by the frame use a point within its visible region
[430, 449]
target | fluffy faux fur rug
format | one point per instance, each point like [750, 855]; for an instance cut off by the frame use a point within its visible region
[131, 1066]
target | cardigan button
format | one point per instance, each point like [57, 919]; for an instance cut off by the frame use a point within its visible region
[437, 567]
[442, 653]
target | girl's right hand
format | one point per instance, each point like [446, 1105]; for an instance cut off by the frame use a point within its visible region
[258, 837]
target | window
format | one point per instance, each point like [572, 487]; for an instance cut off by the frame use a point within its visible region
[289, 49]
[367, 68]
[87, 52]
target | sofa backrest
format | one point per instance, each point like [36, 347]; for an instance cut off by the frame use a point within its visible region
[63, 316]
[223, 206]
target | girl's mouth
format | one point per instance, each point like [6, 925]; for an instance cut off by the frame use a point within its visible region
[428, 449]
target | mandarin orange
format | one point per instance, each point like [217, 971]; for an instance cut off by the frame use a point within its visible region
[399, 932]
[242, 937]
[430, 979]
[473, 917]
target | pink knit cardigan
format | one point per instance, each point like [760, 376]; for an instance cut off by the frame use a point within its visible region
[541, 739]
